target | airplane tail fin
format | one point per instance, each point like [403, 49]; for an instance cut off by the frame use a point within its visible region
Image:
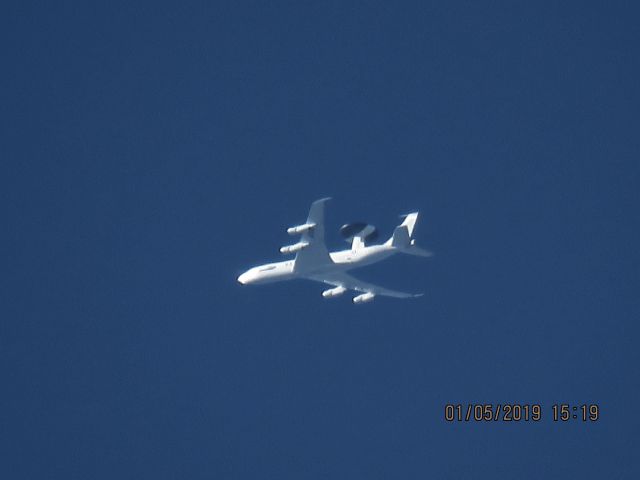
[410, 222]
[401, 238]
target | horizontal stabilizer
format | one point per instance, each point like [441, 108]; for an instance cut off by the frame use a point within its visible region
[420, 252]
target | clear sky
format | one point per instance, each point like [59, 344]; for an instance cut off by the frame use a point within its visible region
[152, 151]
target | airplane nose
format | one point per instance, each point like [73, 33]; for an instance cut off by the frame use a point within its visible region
[242, 279]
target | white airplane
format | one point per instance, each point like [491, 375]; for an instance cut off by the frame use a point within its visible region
[314, 262]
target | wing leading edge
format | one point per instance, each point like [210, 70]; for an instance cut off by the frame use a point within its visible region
[342, 279]
[315, 254]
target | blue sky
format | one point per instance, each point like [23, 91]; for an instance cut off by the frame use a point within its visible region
[152, 152]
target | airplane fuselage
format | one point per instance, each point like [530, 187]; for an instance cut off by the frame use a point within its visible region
[343, 260]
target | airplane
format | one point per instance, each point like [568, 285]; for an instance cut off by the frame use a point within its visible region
[314, 262]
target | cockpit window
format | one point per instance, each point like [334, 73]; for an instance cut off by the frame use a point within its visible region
[264, 269]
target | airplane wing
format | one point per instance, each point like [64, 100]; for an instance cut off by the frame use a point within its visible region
[342, 279]
[315, 254]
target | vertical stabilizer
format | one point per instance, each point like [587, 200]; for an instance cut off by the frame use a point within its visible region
[410, 222]
[401, 238]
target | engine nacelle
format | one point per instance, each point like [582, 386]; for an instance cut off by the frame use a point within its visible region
[296, 247]
[365, 297]
[333, 292]
[298, 229]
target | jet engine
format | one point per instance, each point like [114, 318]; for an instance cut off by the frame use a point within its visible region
[298, 229]
[365, 297]
[363, 230]
[296, 247]
[333, 292]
